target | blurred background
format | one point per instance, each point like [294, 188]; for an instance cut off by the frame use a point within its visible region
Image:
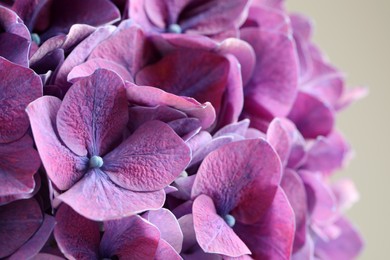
[355, 34]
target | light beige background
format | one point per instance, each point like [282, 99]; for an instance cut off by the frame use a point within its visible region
[356, 36]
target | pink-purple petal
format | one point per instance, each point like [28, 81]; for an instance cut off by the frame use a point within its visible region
[96, 197]
[76, 236]
[93, 114]
[236, 175]
[129, 238]
[271, 237]
[63, 167]
[19, 161]
[18, 87]
[212, 232]
[311, 116]
[148, 160]
[168, 225]
[19, 221]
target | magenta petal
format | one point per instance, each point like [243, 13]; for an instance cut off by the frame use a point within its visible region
[129, 238]
[346, 193]
[76, 236]
[19, 221]
[213, 17]
[35, 244]
[295, 191]
[273, 86]
[212, 232]
[272, 237]
[89, 67]
[19, 161]
[311, 116]
[62, 166]
[236, 175]
[18, 87]
[97, 197]
[168, 225]
[66, 13]
[327, 154]
[244, 54]
[204, 78]
[186, 223]
[93, 114]
[239, 128]
[80, 53]
[321, 200]
[148, 160]
[166, 251]
[126, 47]
[346, 246]
[150, 96]
[14, 48]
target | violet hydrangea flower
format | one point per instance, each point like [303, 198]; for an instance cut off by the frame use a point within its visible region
[83, 153]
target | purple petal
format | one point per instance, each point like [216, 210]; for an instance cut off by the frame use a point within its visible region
[80, 53]
[346, 193]
[11, 23]
[166, 251]
[35, 244]
[10, 198]
[244, 54]
[150, 96]
[236, 175]
[327, 154]
[346, 246]
[272, 237]
[127, 47]
[350, 96]
[186, 223]
[168, 226]
[268, 18]
[238, 128]
[67, 13]
[130, 238]
[19, 161]
[89, 67]
[295, 191]
[14, 48]
[204, 78]
[97, 197]
[273, 86]
[150, 159]
[62, 166]
[19, 221]
[321, 201]
[76, 236]
[212, 232]
[209, 18]
[311, 116]
[93, 114]
[18, 87]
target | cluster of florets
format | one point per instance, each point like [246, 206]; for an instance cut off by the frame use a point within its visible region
[157, 129]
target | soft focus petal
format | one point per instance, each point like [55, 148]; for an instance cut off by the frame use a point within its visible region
[346, 246]
[294, 189]
[212, 232]
[93, 114]
[19, 221]
[18, 87]
[150, 159]
[311, 116]
[76, 236]
[97, 197]
[62, 166]
[19, 161]
[39, 239]
[236, 175]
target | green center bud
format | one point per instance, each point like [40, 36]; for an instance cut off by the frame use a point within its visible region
[230, 220]
[95, 162]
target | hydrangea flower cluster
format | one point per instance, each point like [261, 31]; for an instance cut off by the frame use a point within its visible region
[161, 129]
